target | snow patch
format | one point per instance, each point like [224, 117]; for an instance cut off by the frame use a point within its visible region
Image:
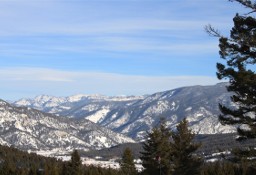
[96, 117]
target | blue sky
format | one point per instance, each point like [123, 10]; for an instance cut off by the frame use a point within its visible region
[110, 47]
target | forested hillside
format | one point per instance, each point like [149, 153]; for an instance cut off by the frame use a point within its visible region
[16, 162]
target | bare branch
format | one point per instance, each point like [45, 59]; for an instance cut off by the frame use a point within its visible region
[247, 4]
[212, 31]
[250, 12]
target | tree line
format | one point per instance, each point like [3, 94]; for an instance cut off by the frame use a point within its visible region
[17, 162]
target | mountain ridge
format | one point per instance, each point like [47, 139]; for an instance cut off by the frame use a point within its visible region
[134, 116]
[31, 129]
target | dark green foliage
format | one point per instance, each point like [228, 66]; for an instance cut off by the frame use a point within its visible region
[239, 53]
[16, 162]
[92, 170]
[168, 152]
[218, 168]
[211, 143]
[8, 167]
[157, 151]
[228, 168]
[127, 165]
[183, 148]
[75, 164]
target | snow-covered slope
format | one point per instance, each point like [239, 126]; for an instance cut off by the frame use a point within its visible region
[134, 116]
[76, 105]
[30, 129]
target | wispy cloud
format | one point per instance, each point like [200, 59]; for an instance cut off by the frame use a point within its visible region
[42, 46]
[109, 26]
[139, 38]
[34, 75]
[44, 27]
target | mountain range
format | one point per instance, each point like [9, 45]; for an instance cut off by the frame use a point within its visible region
[133, 116]
[31, 129]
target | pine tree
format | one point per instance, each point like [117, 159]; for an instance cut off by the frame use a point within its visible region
[75, 166]
[157, 151]
[183, 149]
[239, 54]
[127, 163]
[66, 169]
[242, 79]
[8, 167]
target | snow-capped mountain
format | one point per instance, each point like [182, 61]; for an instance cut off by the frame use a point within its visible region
[30, 129]
[72, 106]
[134, 116]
